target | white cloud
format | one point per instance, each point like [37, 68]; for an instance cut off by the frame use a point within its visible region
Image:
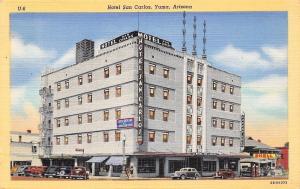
[67, 58]
[277, 55]
[238, 58]
[28, 51]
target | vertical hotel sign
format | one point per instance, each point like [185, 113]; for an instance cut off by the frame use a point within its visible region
[140, 125]
[242, 131]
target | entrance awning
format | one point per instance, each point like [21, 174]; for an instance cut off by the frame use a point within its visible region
[96, 159]
[115, 160]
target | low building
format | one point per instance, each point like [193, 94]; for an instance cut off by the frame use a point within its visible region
[24, 148]
[283, 161]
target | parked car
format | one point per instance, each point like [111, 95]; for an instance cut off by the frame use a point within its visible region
[79, 172]
[14, 169]
[39, 171]
[185, 173]
[21, 170]
[51, 171]
[224, 173]
[64, 172]
[28, 172]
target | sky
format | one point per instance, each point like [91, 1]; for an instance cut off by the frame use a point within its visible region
[250, 44]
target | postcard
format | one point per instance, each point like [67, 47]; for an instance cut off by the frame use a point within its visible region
[149, 94]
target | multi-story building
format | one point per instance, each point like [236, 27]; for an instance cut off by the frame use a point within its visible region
[24, 148]
[174, 109]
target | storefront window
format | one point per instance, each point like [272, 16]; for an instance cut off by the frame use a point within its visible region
[233, 165]
[209, 166]
[146, 165]
[176, 165]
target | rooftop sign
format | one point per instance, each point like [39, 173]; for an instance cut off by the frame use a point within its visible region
[133, 34]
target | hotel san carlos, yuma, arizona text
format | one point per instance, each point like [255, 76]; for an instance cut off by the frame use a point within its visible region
[148, 7]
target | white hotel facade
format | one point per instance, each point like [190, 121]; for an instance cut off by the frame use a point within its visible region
[188, 112]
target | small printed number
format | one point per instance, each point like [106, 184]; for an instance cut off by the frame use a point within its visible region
[21, 8]
[278, 182]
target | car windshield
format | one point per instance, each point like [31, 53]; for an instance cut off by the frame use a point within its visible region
[183, 169]
[52, 169]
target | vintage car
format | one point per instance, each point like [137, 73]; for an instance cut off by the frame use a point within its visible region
[29, 171]
[39, 171]
[64, 172]
[224, 173]
[185, 173]
[21, 170]
[79, 172]
[51, 171]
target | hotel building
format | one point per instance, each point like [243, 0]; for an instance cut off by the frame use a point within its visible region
[172, 109]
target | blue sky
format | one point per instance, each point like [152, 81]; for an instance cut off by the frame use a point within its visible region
[250, 44]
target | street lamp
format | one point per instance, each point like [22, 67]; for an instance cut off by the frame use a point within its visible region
[123, 174]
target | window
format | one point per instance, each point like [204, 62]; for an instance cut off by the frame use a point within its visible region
[106, 94]
[106, 115]
[199, 101]
[80, 81]
[66, 121]
[79, 139]
[118, 69]
[66, 140]
[175, 165]
[151, 114]
[57, 140]
[118, 113]
[222, 124]
[165, 116]
[117, 135]
[214, 141]
[231, 89]
[188, 119]
[199, 81]
[189, 79]
[165, 137]
[231, 125]
[166, 94]
[222, 141]
[209, 166]
[90, 98]
[230, 142]
[79, 119]
[166, 73]
[188, 139]
[58, 104]
[198, 120]
[20, 138]
[89, 138]
[105, 136]
[214, 85]
[67, 103]
[106, 72]
[214, 104]
[199, 137]
[223, 88]
[67, 85]
[58, 87]
[90, 77]
[79, 100]
[152, 91]
[151, 136]
[223, 106]
[189, 99]
[58, 123]
[152, 69]
[34, 149]
[146, 165]
[231, 108]
[89, 118]
[214, 122]
[118, 91]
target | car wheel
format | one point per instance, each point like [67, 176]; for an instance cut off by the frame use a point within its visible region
[183, 177]
[197, 176]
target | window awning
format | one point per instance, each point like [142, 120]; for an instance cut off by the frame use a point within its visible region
[97, 159]
[115, 160]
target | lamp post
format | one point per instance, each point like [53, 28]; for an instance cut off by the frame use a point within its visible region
[123, 174]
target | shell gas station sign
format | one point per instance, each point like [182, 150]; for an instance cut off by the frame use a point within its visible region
[265, 156]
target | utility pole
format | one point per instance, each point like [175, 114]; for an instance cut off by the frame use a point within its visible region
[123, 174]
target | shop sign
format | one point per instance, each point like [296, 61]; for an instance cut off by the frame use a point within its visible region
[125, 123]
[140, 126]
[265, 156]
